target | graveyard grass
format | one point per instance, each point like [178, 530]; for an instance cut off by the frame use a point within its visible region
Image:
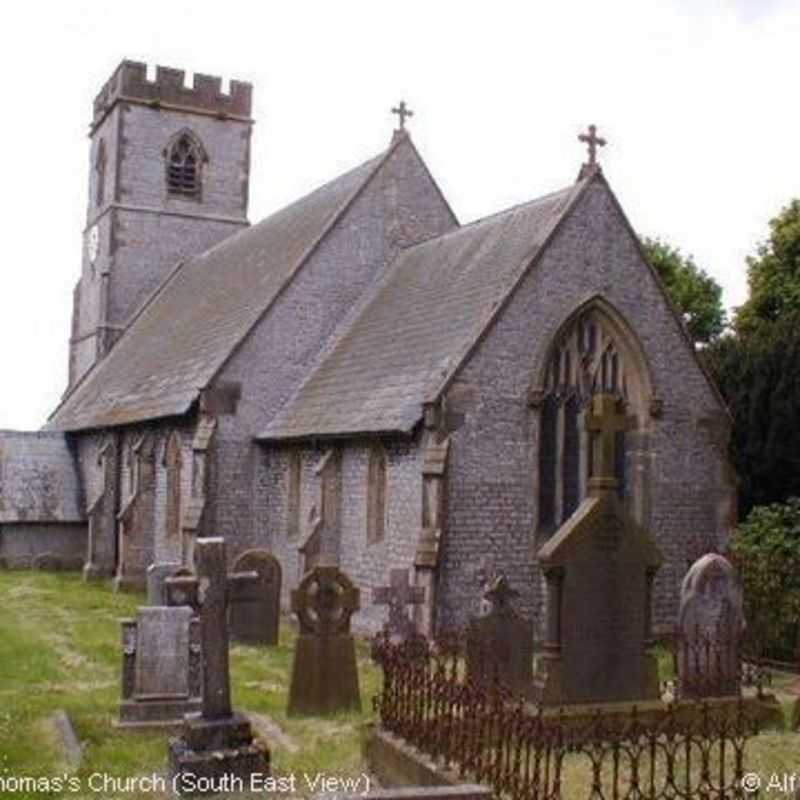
[60, 649]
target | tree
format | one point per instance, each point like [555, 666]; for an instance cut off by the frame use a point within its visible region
[758, 369]
[696, 295]
[766, 550]
[758, 374]
[773, 274]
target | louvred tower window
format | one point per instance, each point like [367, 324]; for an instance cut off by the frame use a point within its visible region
[185, 158]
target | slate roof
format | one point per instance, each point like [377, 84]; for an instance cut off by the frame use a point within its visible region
[186, 332]
[38, 479]
[419, 325]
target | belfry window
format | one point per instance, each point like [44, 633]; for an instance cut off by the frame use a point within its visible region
[185, 158]
[586, 360]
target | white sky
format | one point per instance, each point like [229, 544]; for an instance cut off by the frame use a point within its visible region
[698, 99]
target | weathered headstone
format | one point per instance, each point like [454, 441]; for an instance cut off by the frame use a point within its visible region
[599, 568]
[397, 596]
[710, 625]
[324, 674]
[161, 666]
[67, 738]
[500, 643]
[255, 616]
[217, 744]
[157, 574]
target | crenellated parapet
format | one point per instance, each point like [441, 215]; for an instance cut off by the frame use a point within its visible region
[129, 83]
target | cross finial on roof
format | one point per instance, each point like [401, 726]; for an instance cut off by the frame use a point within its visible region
[593, 141]
[402, 111]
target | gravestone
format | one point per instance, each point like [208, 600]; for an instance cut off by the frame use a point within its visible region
[161, 666]
[710, 625]
[157, 574]
[599, 569]
[255, 616]
[397, 596]
[324, 674]
[217, 744]
[500, 642]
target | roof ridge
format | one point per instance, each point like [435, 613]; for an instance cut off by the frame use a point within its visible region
[431, 380]
[379, 160]
[333, 198]
[574, 193]
[495, 214]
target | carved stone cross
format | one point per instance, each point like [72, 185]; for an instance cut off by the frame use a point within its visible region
[324, 601]
[604, 420]
[402, 112]
[499, 595]
[209, 594]
[397, 596]
[593, 141]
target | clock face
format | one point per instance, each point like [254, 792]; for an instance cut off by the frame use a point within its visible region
[93, 243]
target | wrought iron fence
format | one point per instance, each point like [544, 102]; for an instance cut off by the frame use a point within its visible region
[685, 750]
[709, 664]
[770, 649]
[771, 640]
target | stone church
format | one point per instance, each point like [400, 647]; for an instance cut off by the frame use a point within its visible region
[357, 377]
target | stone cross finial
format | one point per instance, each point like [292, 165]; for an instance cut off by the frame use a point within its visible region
[593, 141]
[604, 419]
[209, 594]
[397, 595]
[402, 111]
[499, 594]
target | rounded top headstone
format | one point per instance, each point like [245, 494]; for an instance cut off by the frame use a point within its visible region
[711, 596]
[257, 560]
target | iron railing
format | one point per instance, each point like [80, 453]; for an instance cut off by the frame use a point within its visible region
[685, 750]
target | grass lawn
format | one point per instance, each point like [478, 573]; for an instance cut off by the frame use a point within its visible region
[60, 649]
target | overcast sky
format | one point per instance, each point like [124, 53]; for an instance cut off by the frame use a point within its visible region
[697, 98]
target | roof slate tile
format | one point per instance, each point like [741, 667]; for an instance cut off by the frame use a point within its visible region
[182, 337]
[419, 325]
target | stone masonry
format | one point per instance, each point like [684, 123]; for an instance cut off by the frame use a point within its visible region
[457, 491]
[143, 231]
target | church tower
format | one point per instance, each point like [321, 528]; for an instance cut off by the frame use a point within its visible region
[169, 175]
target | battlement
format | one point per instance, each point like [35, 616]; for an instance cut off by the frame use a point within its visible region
[129, 82]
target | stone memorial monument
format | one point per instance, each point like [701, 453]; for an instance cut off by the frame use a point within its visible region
[161, 667]
[710, 626]
[157, 574]
[324, 674]
[255, 616]
[216, 744]
[500, 642]
[398, 595]
[599, 568]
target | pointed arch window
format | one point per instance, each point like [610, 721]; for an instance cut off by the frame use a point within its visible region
[590, 357]
[100, 174]
[293, 494]
[185, 157]
[376, 494]
[173, 465]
